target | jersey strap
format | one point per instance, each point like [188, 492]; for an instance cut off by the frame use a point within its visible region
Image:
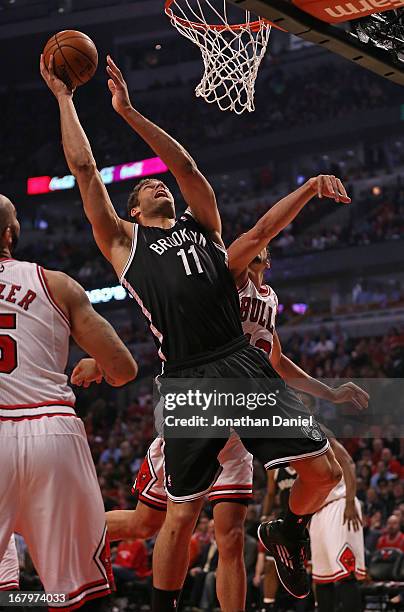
[132, 252]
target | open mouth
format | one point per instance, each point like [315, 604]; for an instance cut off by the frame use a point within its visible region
[161, 194]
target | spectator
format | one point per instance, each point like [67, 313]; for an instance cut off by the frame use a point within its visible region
[393, 538]
[111, 453]
[131, 564]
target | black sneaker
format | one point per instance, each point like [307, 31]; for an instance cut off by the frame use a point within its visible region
[289, 557]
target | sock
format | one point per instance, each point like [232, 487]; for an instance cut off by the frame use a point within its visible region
[164, 601]
[326, 598]
[349, 594]
[295, 525]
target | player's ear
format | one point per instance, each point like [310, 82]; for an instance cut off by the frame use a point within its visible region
[7, 237]
[135, 214]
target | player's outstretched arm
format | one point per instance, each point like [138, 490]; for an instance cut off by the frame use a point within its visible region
[351, 514]
[112, 234]
[195, 188]
[249, 245]
[269, 498]
[300, 380]
[91, 332]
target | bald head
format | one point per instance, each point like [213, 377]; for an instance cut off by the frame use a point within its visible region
[9, 226]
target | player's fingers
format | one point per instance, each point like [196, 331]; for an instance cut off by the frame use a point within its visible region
[361, 394]
[320, 186]
[51, 70]
[356, 403]
[111, 86]
[328, 188]
[335, 188]
[42, 65]
[363, 400]
[344, 196]
[114, 67]
[114, 78]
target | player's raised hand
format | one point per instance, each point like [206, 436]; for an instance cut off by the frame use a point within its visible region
[118, 87]
[351, 394]
[57, 87]
[352, 516]
[328, 186]
[85, 373]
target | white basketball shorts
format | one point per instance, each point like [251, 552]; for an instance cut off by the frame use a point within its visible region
[336, 552]
[234, 483]
[9, 568]
[49, 493]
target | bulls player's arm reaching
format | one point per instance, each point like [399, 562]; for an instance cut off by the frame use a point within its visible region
[351, 513]
[269, 499]
[110, 359]
[196, 190]
[243, 250]
[112, 234]
[302, 381]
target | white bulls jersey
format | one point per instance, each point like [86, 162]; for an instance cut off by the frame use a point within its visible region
[258, 313]
[34, 345]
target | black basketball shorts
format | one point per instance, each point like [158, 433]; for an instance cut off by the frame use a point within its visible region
[191, 465]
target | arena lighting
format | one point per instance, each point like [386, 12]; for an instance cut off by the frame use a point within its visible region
[111, 174]
[106, 294]
[118, 293]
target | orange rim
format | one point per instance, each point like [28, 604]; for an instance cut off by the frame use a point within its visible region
[254, 26]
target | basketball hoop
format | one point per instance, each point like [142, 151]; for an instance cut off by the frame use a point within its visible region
[231, 53]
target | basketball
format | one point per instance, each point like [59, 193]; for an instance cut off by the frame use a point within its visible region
[75, 57]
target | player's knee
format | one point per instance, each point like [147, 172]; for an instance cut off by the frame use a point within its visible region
[181, 517]
[230, 542]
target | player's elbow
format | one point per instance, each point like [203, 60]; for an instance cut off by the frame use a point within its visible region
[189, 168]
[127, 372]
[84, 166]
[124, 371]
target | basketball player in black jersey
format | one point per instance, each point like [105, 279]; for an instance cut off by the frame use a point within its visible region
[176, 270]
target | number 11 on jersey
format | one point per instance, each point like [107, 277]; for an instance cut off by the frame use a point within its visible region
[191, 251]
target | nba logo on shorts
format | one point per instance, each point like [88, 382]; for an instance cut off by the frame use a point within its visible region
[312, 432]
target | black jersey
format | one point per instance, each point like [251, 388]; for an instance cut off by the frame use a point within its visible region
[284, 478]
[180, 279]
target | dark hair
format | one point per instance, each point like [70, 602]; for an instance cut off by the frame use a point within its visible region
[133, 200]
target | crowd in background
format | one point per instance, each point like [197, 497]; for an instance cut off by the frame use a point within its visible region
[120, 423]
[284, 100]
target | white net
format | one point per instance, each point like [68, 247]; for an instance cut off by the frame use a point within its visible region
[231, 52]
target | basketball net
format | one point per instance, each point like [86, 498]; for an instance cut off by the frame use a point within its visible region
[231, 53]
